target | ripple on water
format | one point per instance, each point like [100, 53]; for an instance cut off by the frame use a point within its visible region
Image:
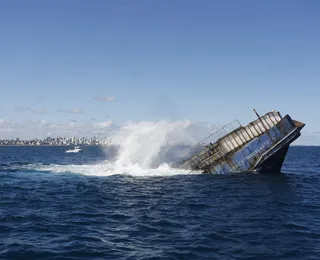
[56, 215]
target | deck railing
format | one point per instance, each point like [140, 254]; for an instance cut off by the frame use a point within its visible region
[221, 132]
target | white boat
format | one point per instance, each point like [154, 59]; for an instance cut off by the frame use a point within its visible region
[76, 149]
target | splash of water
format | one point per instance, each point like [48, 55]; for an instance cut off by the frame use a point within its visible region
[144, 150]
[142, 143]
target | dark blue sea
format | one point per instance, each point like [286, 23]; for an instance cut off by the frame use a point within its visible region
[55, 205]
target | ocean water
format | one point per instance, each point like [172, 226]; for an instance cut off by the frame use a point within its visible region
[55, 205]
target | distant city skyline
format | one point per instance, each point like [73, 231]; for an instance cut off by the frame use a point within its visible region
[54, 141]
[87, 68]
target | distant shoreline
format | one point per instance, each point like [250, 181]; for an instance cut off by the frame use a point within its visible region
[54, 145]
[89, 145]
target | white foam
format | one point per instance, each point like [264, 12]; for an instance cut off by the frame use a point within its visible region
[107, 169]
[143, 150]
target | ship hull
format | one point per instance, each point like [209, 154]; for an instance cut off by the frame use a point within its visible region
[264, 151]
[273, 159]
[274, 163]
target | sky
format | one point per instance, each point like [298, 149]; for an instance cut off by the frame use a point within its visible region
[76, 64]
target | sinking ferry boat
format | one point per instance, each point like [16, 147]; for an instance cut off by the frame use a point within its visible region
[260, 146]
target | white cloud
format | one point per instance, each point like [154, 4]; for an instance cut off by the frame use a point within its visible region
[39, 111]
[106, 124]
[76, 110]
[308, 139]
[105, 99]
[4, 123]
[22, 109]
[6, 129]
[31, 110]
[42, 129]
[72, 125]
[175, 131]
[72, 110]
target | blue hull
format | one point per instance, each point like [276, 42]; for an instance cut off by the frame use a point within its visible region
[264, 152]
